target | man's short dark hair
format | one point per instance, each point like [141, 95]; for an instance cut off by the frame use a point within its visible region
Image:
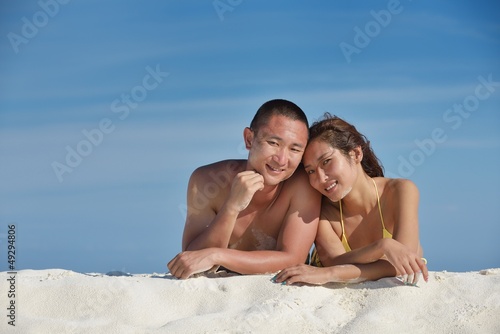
[277, 107]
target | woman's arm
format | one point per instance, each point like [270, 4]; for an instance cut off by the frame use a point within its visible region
[327, 243]
[404, 200]
[346, 273]
[403, 259]
[403, 252]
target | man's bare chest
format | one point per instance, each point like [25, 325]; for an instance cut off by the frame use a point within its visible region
[258, 230]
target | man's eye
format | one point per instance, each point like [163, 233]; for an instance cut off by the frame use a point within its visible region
[272, 143]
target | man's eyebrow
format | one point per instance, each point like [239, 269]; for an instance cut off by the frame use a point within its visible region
[278, 138]
[298, 145]
[275, 137]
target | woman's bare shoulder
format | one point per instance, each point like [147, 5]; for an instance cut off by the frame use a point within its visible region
[399, 188]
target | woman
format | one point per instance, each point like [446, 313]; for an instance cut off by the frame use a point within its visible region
[369, 223]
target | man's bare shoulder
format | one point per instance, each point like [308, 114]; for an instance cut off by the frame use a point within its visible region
[222, 171]
[299, 179]
[298, 185]
[329, 210]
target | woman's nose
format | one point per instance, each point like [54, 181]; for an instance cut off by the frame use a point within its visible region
[322, 175]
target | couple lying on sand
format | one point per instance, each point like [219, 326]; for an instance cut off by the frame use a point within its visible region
[262, 215]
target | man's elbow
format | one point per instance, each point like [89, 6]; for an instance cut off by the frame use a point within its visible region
[295, 258]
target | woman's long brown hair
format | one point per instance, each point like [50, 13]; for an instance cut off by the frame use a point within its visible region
[343, 136]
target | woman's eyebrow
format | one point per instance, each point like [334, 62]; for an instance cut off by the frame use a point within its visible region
[321, 157]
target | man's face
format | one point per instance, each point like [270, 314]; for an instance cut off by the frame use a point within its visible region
[276, 149]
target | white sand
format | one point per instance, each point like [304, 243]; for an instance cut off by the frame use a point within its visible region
[61, 301]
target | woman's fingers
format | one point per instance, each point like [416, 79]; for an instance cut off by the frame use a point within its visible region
[413, 270]
[422, 263]
[280, 277]
[302, 273]
[290, 275]
[285, 275]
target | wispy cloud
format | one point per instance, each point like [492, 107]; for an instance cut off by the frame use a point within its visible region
[451, 26]
[149, 152]
[472, 143]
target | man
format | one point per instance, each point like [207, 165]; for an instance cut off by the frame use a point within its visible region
[257, 215]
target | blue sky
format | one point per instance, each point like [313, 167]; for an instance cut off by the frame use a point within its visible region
[145, 92]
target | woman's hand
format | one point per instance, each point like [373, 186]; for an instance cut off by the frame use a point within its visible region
[407, 263]
[303, 273]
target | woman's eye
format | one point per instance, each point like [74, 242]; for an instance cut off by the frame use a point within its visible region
[326, 161]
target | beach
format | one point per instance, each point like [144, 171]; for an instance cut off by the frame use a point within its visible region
[64, 301]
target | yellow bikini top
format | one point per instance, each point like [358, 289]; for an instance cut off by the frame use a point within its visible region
[315, 261]
[385, 233]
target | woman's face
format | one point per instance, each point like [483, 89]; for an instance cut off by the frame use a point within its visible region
[330, 172]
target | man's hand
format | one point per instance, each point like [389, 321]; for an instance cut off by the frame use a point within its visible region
[188, 263]
[244, 186]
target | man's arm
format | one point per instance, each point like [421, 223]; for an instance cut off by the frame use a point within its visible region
[300, 226]
[199, 228]
[189, 263]
[205, 227]
[296, 236]
[294, 241]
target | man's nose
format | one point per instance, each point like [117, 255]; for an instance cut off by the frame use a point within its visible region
[281, 156]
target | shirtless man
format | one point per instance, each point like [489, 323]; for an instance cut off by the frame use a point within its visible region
[257, 215]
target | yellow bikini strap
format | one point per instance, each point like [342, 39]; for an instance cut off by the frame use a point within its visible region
[342, 219]
[378, 202]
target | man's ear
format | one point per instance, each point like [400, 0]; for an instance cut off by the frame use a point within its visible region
[357, 154]
[248, 136]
